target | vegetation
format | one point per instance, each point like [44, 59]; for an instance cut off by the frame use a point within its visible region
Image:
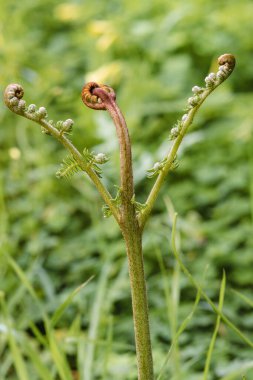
[53, 232]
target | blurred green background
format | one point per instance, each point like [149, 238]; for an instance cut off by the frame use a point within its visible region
[152, 53]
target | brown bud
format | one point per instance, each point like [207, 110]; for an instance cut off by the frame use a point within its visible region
[227, 59]
[12, 91]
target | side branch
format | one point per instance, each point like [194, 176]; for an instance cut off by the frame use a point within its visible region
[13, 99]
[226, 65]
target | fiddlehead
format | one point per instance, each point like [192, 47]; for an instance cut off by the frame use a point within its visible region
[226, 64]
[13, 95]
[92, 100]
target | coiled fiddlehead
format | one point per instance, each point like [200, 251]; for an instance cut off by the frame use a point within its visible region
[91, 98]
[228, 62]
[13, 95]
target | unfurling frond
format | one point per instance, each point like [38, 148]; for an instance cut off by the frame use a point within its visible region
[68, 168]
[93, 160]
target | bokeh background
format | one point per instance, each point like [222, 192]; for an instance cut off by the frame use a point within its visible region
[152, 53]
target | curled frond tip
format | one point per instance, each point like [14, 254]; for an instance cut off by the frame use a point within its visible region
[12, 97]
[228, 59]
[227, 62]
[92, 95]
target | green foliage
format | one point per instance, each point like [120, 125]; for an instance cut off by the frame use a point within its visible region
[68, 168]
[152, 53]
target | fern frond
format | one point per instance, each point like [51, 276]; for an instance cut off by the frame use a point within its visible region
[68, 168]
[88, 156]
[94, 160]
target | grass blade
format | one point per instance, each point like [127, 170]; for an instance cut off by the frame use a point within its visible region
[35, 359]
[243, 297]
[59, 358]
[238, 372]
[58, 313]
[17, 357]
[87, 364]
[25, 281]
[179, 332]
[108, 349]
[216, 329]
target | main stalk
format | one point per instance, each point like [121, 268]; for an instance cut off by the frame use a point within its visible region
[103, 97]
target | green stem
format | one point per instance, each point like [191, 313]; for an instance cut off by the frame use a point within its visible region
[78, 157]
[216, 329]
[133, 239]
[170, 158]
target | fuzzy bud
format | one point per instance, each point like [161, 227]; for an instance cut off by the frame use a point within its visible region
[193, 101]
[225, 69]
[221, 74]
[210, 80]
[156, 166]
[196, 89]
[31, 108]
[45, 131]
[212, 76]
[21, 105]
[42, 112]
[174, 132]
[14, 101]
[101, 158]
[184, 117]
[67, 125]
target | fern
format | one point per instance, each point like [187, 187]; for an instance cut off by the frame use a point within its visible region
[93, 160]
[68, 168]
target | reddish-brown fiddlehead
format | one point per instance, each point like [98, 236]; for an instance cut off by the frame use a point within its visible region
[92, 100]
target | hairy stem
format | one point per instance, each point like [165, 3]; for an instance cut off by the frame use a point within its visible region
[133, 239]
